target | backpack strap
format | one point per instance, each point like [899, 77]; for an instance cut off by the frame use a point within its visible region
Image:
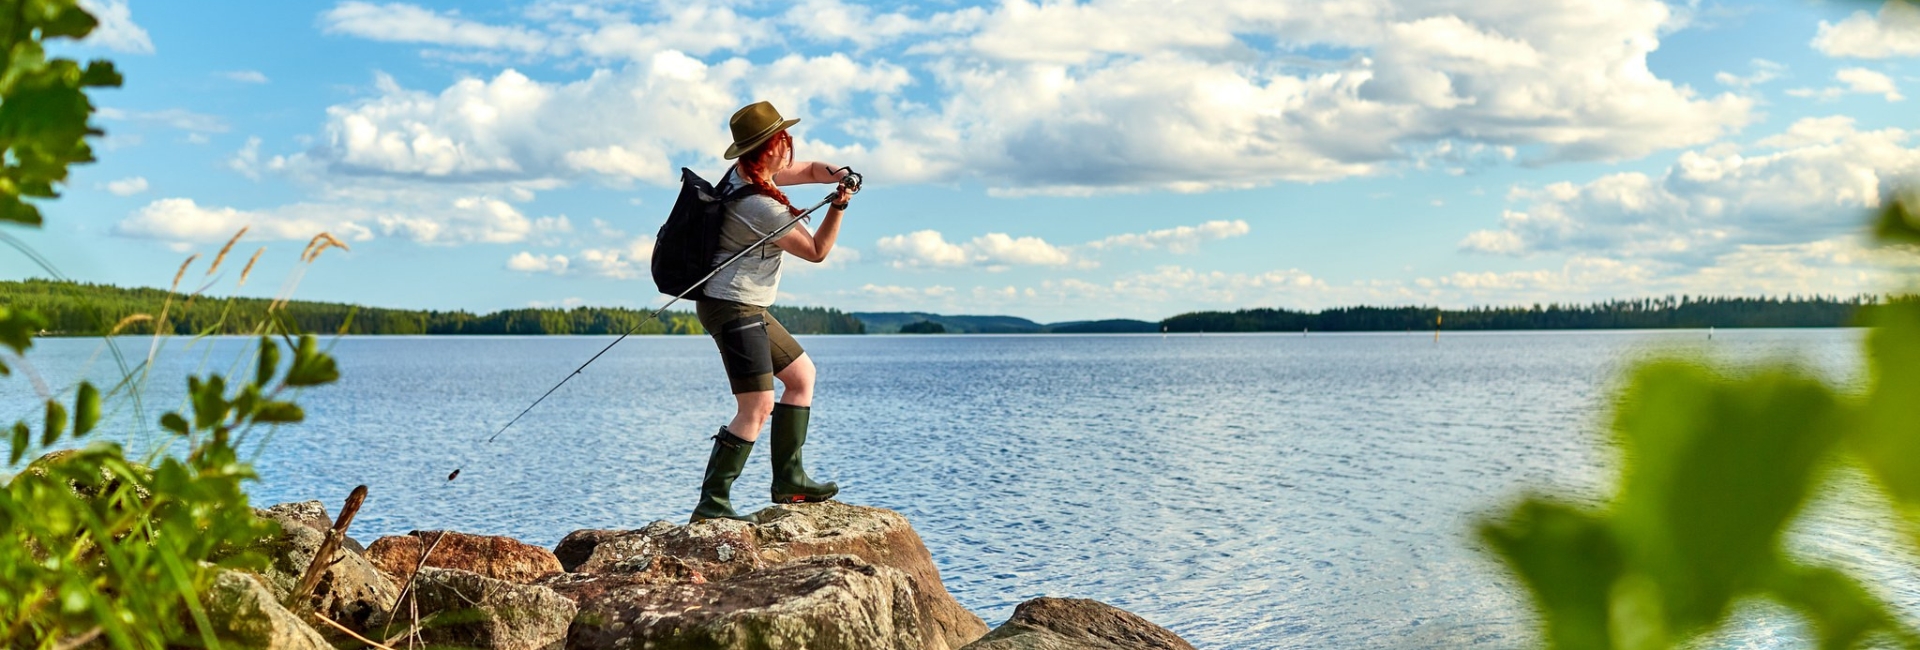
[744, 189]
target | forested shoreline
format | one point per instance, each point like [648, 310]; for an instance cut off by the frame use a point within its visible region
[1684, 312]
[80, 309]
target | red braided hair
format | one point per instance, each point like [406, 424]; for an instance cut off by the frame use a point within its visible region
[758, 165]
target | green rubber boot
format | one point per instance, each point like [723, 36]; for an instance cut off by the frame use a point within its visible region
[723, 466]
[790, 482]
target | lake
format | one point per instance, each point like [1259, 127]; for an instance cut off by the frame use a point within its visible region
[1246, 491]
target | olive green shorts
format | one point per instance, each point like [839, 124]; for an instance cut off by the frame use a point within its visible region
[753, 344]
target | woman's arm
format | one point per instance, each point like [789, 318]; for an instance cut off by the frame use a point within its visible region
[806, 172]
[814, 246]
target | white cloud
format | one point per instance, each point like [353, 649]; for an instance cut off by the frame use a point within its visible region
[1181, 239]
[183, 220]
[246, 76]
[1892, 32]
[405, 23]
[1862, 80]
[116, 30]
[1812, 185]
[126, 186]
[470, 220]
[526, 262]
[625, 125]
[623, 262]
[1131, 97]
[1763, 72]
[175, 118]
[246, 161]
[928, 248]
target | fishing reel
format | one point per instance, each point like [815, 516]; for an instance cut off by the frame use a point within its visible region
[851, 181]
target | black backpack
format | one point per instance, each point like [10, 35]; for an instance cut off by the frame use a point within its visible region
[684, 249]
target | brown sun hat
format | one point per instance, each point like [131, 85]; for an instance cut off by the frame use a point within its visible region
[752, 125]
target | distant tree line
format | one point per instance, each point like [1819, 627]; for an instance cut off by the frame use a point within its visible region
[1647, 313]
[72, 308]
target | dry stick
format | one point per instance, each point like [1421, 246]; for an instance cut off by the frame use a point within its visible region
[83, 639]
[418, 565]
[351, 633]
[323, 559]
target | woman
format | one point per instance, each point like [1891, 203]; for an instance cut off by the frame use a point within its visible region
[754, 347]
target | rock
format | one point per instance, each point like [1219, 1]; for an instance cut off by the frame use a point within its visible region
[880, 537]
[246, 614]
[312, 514]
[467, 610]
[836, 602]
[574, 549]
[351, 592]
[500, 558]
[1076, 624]
[717, 550]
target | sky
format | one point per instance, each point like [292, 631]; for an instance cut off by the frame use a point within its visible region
[1057, 161]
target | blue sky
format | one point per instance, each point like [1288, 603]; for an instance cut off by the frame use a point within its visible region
[1058, 161]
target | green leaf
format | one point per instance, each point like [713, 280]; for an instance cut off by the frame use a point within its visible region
[1897, 221]
[175, 423]
[1889, 440]
[279, 413]
[269, 361]
[209, 398]
[1841, 610]
[56, 423]
[1569, 561]
[21, 439]
[311, 367]
[86, 409]
[1718, 467]
[17, 328]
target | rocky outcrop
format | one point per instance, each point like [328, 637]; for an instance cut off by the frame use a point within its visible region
[1076, 624]
[466, 610]
[312, 514]
[496, 557]
[830, 602]
[245, 614]
[715, 551]
[351, 592]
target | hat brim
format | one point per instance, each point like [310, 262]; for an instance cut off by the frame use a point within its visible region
[740, 148]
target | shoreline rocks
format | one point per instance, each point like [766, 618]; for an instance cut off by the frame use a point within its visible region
[821, 576]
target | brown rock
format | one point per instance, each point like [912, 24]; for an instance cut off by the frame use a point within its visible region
[574, 549]
[817, 603]
[1077, 624]
[500, 558]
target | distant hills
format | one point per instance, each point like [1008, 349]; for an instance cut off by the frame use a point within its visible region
[891, 322]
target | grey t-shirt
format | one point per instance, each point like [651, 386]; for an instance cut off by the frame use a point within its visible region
[755, 279]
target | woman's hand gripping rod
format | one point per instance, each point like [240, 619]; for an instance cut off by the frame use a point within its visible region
[851, 181]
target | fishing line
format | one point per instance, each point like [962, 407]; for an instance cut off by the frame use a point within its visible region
[851, 181]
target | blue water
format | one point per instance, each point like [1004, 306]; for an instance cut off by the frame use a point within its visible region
[1254, 491]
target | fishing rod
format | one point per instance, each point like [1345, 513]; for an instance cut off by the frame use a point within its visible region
[851, 181]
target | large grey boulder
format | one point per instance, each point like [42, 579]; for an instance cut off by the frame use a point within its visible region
[245, 614]
[837, 602]
[1076, 624]
[467, 610]
[719, 549]
[312, 514]
[351, 592]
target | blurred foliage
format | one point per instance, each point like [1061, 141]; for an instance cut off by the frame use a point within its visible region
[95, 545]
[43, 102]
[97, 549]
[72, 308]
[1694, 312]
[1717, 466]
